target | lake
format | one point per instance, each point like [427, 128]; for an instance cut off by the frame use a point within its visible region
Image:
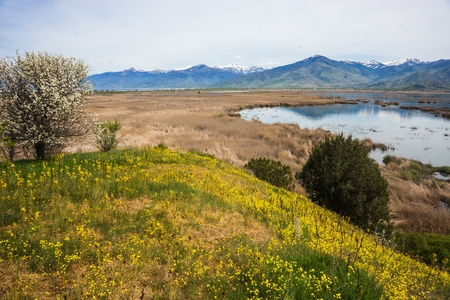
[412, 134]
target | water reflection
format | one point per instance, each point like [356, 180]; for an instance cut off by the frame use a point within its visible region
[413, 134]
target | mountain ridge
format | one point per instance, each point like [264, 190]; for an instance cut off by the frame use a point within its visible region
[313, 72]
[321, 72]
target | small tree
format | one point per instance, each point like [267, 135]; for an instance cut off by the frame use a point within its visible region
[340, 176]
[43, 100]
[106, 135]
[274, 172]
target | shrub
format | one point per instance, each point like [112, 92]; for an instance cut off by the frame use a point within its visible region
[161, 146]
[388, 159]
[445, 170]
[417, 172]
[274, 172]
[413, 175]
[415, 166]
[340, 176]
[106, 135]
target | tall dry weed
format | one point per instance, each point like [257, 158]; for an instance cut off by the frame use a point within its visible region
[419, 207]
[416, 217]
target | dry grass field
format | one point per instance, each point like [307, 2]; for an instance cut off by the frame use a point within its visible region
[206, 121]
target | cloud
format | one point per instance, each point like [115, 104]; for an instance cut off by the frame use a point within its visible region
[173, 34]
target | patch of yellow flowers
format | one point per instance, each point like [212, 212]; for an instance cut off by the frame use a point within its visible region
[70, 217]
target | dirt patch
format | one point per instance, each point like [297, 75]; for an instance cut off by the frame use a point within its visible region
[133, 206]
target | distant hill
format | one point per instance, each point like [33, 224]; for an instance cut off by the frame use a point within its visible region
[313, 72]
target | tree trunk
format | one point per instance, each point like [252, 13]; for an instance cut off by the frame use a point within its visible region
[40, 148]
[11, 152]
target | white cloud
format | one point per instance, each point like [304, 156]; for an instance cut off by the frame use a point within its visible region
[173, 34]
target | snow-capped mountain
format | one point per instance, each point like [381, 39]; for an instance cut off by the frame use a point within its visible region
[159, 71]
[405, 61]
[321, 72]
[129, 71]
[373, 64]
[189, 77]
[313, 72]
[236, 69]
[133, 70]
[243, 70]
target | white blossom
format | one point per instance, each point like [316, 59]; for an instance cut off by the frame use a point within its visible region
[43, 100]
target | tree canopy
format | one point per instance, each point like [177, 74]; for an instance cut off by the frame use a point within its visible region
[340, 176]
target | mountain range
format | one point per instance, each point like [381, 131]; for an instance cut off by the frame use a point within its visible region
[313, 72]
[191, 77]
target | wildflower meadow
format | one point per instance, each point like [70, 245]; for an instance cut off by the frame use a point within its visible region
[151, 223]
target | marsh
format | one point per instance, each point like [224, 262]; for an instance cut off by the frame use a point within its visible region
[411, 134]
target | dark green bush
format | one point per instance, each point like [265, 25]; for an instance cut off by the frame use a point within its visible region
[432, 249]
[388, 159]
[340, 176]
[445, 170]
[274, 172]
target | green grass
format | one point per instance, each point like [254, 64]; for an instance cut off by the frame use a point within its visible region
[433, 249]
[416, 171]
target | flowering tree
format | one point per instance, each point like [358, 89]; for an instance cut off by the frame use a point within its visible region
[43, 101]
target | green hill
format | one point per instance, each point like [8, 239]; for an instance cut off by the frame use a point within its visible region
[417, 81]
[151, 223]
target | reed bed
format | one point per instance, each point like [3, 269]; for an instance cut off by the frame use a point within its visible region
[418, 206]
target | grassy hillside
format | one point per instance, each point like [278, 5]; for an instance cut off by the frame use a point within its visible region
[416, 81]
[152, 223]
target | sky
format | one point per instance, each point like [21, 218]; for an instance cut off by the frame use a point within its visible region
[114, 35]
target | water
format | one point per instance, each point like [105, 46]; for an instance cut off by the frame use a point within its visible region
[412, 134]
